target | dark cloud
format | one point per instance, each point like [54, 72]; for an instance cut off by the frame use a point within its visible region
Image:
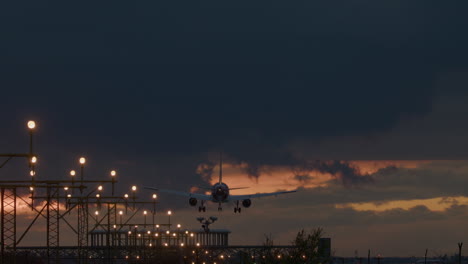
[161, 85]
[112, 67]
[342, 171]
[205, 170]
[303, 178]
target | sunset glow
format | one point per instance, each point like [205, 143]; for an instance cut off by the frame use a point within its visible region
[273, 178]
[433, 204]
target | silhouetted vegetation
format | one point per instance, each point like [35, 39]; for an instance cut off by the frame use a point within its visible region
[305, 250]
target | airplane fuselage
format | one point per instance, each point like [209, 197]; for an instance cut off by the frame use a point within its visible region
[220, 192]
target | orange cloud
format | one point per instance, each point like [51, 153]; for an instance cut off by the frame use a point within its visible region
[273, 178]
[433, 204]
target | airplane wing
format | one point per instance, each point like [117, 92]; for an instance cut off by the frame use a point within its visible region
[186, 194]
[257, 195]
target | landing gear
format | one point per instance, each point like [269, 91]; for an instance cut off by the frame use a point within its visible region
[237, 208]
[202, 208]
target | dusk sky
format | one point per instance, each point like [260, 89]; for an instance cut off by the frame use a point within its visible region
[361, 105]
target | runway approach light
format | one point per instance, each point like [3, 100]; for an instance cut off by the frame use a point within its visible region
[31, 124]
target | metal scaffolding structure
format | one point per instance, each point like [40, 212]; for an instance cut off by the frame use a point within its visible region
[8, 219]
[105, 234]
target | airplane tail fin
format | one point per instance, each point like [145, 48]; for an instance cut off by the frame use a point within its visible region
[220, 167]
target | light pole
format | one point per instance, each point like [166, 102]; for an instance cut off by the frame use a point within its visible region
[32, 172]
[113, 173]
[31, 189]
[134, 188]
[126, 203]
[97, 215]
[72, 174]
[154, 206]
[31, 126]
[98, 201]
[169, 213]
[82, 163]
[178, 232]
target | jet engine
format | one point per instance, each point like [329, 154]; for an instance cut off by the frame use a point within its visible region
[192, 201]
[247, 203]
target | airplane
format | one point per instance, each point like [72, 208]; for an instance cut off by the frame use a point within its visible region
[220, 194]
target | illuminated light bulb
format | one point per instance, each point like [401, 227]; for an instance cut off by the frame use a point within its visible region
[82, 160]
[98, 195]
[155, 196]
[134, 188]
[69, 195]
[32, 173]
[31, 189]
[145, 212]
[126, 195]
[120, 212]
[31, 124]
[169, 212]
[178, 226]
[65, 188]
[72, 173]
[113, 173]
[33, 159]
[99, 188]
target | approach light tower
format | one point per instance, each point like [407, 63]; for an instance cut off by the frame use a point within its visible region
[206, 222]
[31, 126]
